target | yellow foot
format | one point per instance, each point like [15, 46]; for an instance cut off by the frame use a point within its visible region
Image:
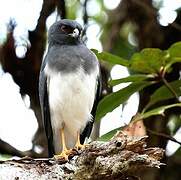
[79, 146]
[64, 155]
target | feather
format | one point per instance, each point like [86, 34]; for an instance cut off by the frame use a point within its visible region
[44, 102]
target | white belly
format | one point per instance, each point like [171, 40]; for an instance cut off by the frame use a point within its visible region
[71, 98]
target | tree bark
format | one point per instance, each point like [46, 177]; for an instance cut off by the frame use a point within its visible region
[121, 158]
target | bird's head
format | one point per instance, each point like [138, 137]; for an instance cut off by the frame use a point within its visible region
[65, 32]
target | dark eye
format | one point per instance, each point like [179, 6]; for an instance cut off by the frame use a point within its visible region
[66, 29]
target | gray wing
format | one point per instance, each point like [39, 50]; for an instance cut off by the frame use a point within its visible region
[44, 103]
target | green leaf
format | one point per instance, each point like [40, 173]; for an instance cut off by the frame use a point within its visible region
[163, 93]
[175, 50]
[110, 102]
[171, 62]
[109, 135]
[105, 56]
[149, 60]
[158, 111]
[131, 78]
[174, 53]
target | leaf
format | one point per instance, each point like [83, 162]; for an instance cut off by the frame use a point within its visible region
[105, 56]
[110, 102]
[131, 78]
[175, 50]
[158, 111]
[171, 62]
[163, 93]
[109, 135]
[149, 61]
[174, 53]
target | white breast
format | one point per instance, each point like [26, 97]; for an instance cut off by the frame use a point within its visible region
[71, 98]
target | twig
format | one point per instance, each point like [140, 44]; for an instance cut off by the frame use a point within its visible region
[61, 9]
[85, 15]
[163, 135]
[85, 20]
[170, 88]
[176, 26]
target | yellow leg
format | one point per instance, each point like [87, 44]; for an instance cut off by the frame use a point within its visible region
[65, 152]
[78, 145]
[64, 148]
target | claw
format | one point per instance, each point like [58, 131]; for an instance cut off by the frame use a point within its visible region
[66, 154]
[79, 146]
[63, 155]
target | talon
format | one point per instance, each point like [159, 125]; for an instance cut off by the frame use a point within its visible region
[63, 155]
[79, 146]
[66, 154]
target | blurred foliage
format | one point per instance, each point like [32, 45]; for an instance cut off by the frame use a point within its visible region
[150, 66]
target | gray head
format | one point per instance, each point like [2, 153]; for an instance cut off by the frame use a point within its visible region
[65, 32]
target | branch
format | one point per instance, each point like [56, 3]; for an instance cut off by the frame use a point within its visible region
[8, 149]
[120, 158]
[61, 8]
[85, 15]
[164, 135]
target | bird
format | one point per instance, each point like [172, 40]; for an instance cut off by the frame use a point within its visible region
[69, 89]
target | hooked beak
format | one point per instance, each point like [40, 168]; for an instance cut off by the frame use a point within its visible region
[75, 33]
